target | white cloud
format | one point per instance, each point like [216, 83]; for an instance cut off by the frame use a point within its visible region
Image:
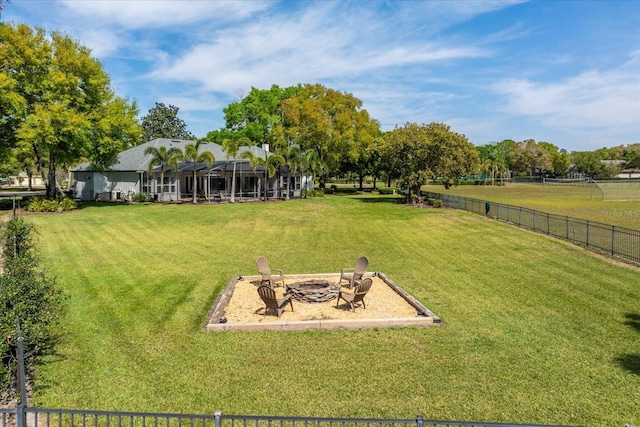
[143, 13]
[310, 47]
[591, 99]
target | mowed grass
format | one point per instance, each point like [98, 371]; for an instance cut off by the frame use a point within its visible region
[573, 201]
[536, 330]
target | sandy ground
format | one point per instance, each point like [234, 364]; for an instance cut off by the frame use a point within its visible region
[381, 302]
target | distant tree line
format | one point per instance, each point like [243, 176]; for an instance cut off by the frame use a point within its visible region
[544, 159]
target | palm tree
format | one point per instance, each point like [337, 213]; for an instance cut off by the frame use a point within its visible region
[191, 154]
[270, 163]
[312, 161]
[231, 149]
[254, 162]
[294, 160]
[162, 157]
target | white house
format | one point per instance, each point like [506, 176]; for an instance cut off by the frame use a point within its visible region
[130, 175]
[629, 174]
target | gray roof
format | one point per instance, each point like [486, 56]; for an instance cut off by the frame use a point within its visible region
[134, 159]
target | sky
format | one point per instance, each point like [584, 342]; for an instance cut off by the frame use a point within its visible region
[565, 72]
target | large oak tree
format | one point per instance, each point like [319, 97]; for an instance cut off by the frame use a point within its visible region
[57, 104]
[416, 153]
[331, 126]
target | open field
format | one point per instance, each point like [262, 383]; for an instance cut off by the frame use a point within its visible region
[571, 201]
[536, 330]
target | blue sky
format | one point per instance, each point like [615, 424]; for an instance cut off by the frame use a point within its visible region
[566, 72]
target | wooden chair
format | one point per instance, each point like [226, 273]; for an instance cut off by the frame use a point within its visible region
[354, 275]
[356, 295]
[265, 272]
[268, 296]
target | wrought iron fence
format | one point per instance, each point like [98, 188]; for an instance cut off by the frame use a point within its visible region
[41, 417]
[619, 242]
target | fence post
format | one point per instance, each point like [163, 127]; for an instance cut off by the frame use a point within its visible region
[613, 239]
[520, 216]
[535, 227]
[420, 421]
[218, 415]
[21, 412]
[587, 242]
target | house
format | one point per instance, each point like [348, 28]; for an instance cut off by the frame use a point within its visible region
[629, 174]
[22, 179]
[130, 175]
[624, 173]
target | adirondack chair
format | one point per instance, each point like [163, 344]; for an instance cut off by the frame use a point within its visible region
[356, 295]
[273, 304]
[354, 275]
[265, 272]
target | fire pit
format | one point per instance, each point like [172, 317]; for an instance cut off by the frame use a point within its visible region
[313, 291]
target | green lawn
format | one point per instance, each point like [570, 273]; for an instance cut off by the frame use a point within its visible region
[536, 330]
[576, 202]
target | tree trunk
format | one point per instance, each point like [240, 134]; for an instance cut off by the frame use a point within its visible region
[195, 187]
[361, 179]
[288, 183]
[51, 179]
[266, 186]
[161, 186]
[233, 183]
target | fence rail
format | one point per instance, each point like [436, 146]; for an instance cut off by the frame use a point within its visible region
[42, 417]
[619, 242]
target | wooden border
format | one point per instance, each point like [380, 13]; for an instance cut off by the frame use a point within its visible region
[216, 323]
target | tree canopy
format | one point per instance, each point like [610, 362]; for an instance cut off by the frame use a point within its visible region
[163, 122]
[494, 158]
[329, 129]
[57, 104]
[331, 124]
[256, 115]
[416, 153]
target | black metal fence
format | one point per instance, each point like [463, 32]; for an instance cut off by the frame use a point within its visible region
[619, 242]
[40, 417]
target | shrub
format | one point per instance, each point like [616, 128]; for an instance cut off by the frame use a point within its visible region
[67, 204]
[436, 203]
[139, 197]
[38, 204]
[35, 205]
[312, 193]
[27, 295]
